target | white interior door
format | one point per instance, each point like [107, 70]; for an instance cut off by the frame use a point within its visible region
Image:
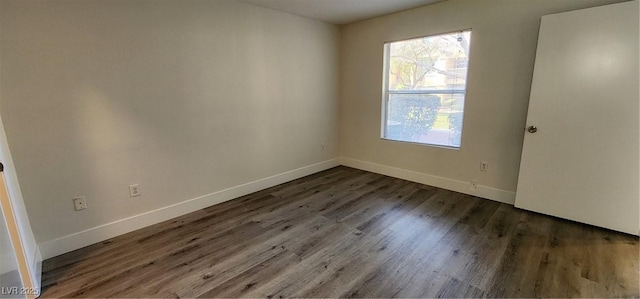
[583, 163]
[25, 256]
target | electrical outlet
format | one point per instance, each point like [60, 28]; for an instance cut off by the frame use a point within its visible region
[134, 190]
[484, 166]
[80, 203]
[474, 185]
[322, 147]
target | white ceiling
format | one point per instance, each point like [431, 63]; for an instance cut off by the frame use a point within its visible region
[340, 11]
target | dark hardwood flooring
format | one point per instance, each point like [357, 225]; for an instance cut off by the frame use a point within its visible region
[350, 233]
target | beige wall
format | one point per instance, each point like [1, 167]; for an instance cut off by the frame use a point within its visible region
[183, 97]
[503, 45]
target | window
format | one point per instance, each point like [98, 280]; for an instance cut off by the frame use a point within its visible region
[424, 89]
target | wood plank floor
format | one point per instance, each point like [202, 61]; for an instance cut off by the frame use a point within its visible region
[350, 233]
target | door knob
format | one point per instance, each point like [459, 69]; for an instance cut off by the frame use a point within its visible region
[532, 129]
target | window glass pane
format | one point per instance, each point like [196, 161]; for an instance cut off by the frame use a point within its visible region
[433, 62]
[425, 118]
[425, 88]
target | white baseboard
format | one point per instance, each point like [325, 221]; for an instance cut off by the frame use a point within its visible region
[432, 180]
[103, 232]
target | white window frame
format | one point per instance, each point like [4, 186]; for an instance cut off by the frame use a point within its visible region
[386, 92]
